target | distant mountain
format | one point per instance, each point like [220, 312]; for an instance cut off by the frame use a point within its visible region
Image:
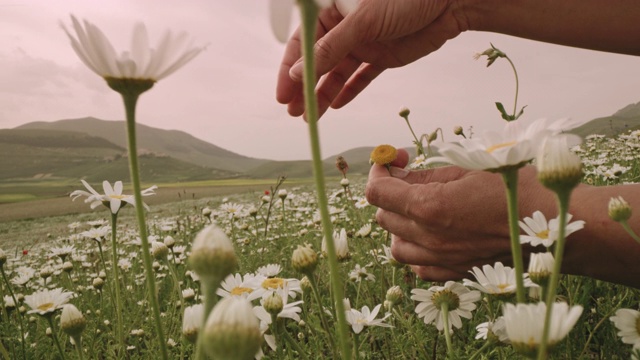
[32, 154]
[625, 119]
[173, 143]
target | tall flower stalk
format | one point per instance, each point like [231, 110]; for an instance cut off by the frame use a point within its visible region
[116, 282]
[560, 170]
[309, 14]
[131, 73]
[510, 177]
[131, 89]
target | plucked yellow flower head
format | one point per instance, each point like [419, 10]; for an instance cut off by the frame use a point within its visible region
[383, 155]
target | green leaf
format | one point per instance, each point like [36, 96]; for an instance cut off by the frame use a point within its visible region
[503, 112]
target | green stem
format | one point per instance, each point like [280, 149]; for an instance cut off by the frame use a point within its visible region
[54, 336]
[629, 230]
[18, 314]
[447, 332]
[309, 15]
[78, 341]
[323, 320]
[563, 207]
[130, 100]
[116, 281]
[481, 350]
[208, 287]
[515, 102]
[418, 142]
[294, 344]
[510, 177]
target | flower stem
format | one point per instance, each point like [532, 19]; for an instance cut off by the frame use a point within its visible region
[18, 314]
[510, 177]
[78, 341]
[418, 142]
[54, 336]
[563, 207]
[629, 230]
[208, 287]
[116, 282]
[323, 320]
[444, 312]
[130, 100]
[515, 102]
[309, 15]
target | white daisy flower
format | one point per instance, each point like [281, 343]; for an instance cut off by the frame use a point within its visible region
[112, 198]
[515, 145]
[269, 270]
[365, 317]
[359, 273]
[627, 321]
[495, 280]
[46, 301]
[141, 62]
[493, 330]
[341, 244]
[460, 303]
[238, 285]
[269, 285]
[539, 232]
[525, 323]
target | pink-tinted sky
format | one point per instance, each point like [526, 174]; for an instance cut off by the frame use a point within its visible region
[226, 95]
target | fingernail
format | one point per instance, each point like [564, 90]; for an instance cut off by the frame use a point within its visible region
[398, 172]
[295, 73]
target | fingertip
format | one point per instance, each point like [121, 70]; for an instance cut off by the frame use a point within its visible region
[402, 158]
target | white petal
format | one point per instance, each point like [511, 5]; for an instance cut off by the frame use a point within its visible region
[280, 12]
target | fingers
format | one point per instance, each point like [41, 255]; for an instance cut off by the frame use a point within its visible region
[436, 273]
[356, 84]
[333, 83]
[286, 88]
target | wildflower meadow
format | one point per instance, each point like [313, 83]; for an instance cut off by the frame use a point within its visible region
[306, 272]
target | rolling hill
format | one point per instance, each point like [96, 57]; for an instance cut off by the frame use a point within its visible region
[173, 143]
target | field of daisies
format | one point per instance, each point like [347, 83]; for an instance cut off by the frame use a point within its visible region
[83, 294]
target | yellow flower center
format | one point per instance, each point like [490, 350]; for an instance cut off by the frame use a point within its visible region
[117, 196]
[544, 234]
[238, 290]
[501, 287]
[383, 154]
[495, 147]
[45, 306]
[273, 283]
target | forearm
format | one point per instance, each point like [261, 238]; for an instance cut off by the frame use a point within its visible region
[603, 249]
[606, 25]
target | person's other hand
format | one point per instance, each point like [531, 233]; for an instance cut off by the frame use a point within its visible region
[352, 51]
[446, 220]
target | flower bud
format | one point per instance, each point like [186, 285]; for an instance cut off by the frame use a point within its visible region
[72, 322]
[457, 130]
[619, 209]
[67, 266]
[404, 112]
[159, 250]
[273, 304]
[206, 212]
[342, 165]
[540, 267]
[305, 284]
[344, 182]
[188, 294]
[559, 169]
[232, 331]
[304, 259]
[3, 258]
[169, 241]
[98, 283]
[46, 272]
[282, 194]
[191, 322]
[394, 295]
[212, 255]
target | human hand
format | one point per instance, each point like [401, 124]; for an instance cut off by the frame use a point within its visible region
[352, 51]
[446, 220]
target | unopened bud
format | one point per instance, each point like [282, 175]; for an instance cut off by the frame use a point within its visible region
[72, 321]
[304, 259]
[273, 304]
[232, 331]
[212, 255]
[619, 209]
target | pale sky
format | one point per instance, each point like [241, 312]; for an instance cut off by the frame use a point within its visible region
[226, 95]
